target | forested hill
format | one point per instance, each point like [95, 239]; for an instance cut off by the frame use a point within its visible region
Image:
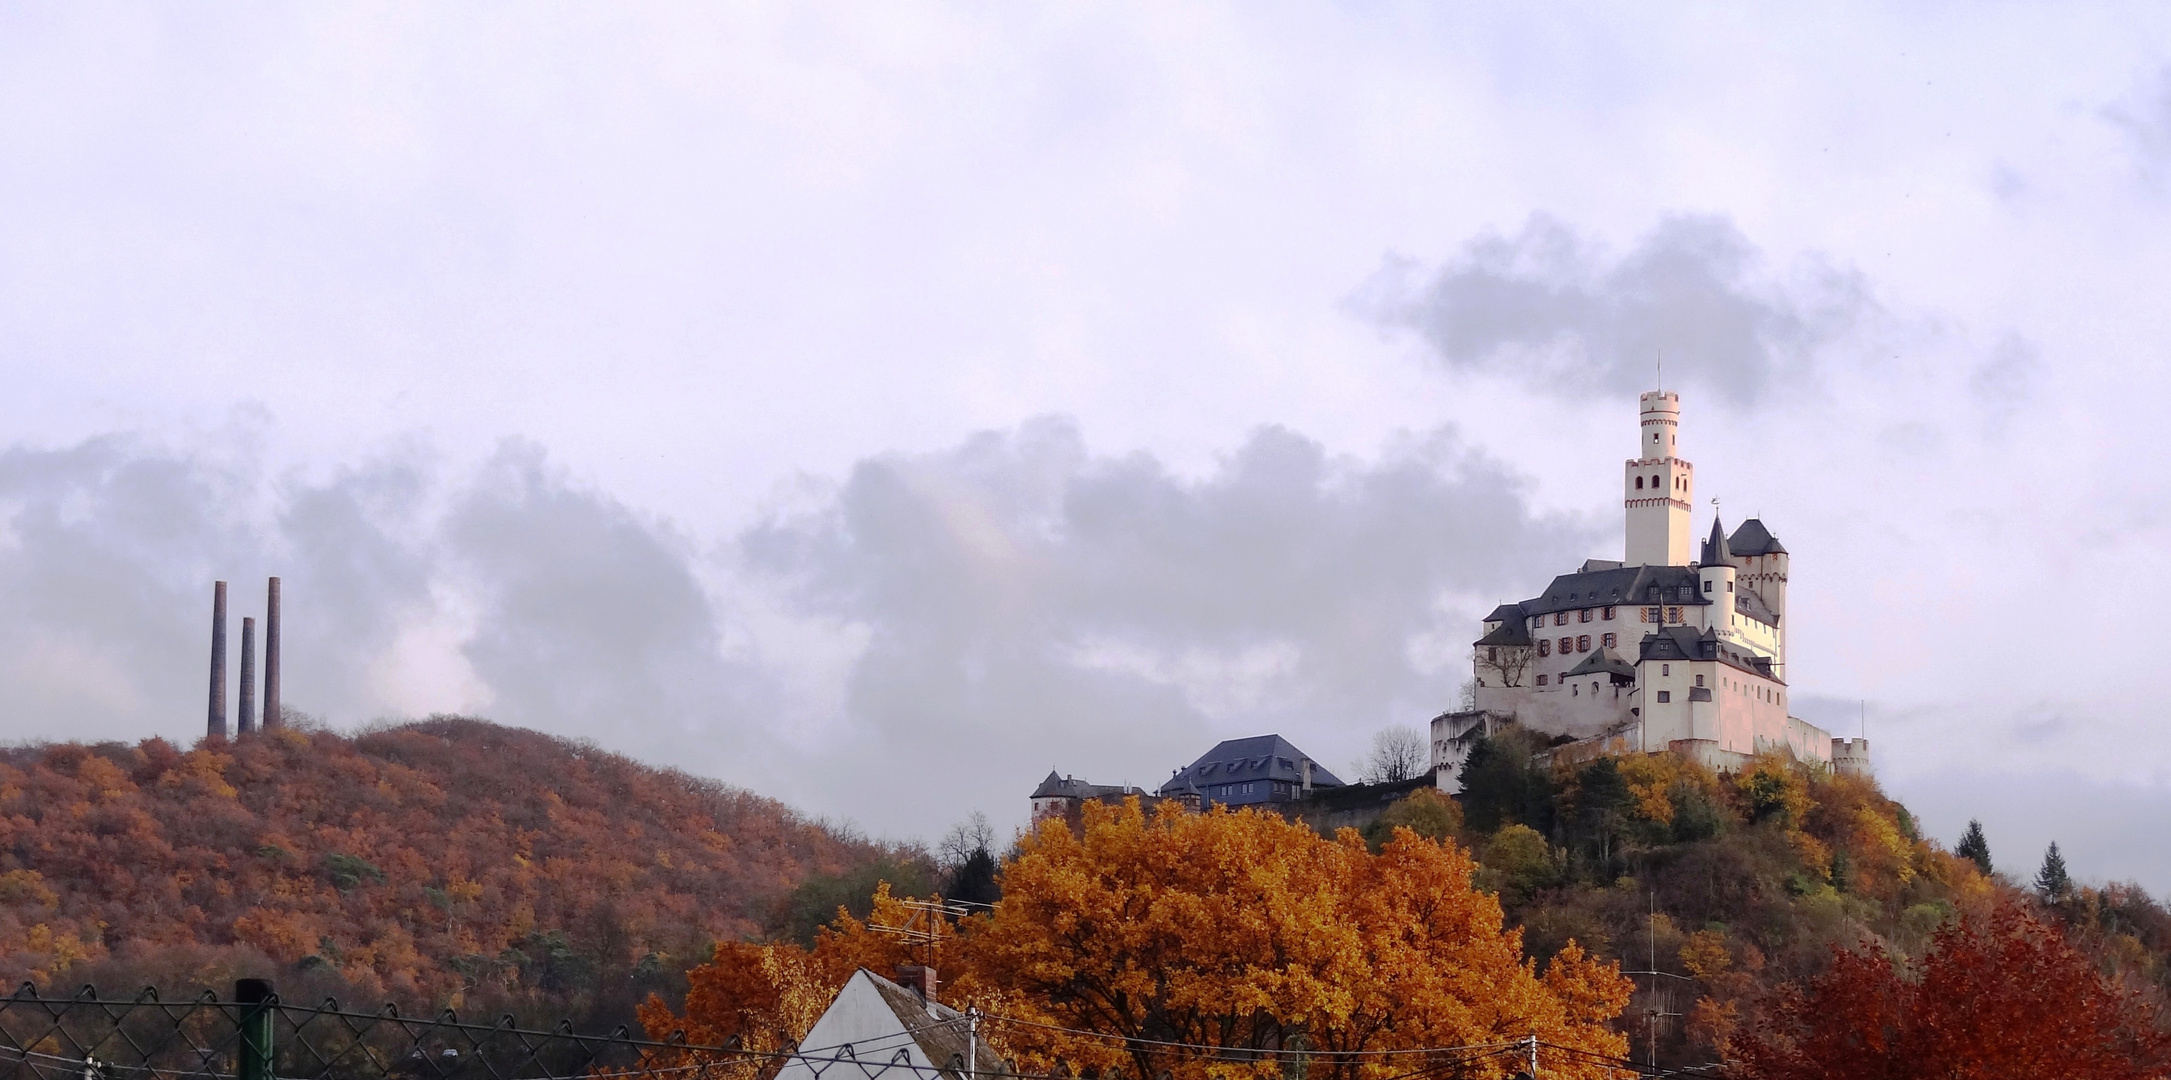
[447, 862]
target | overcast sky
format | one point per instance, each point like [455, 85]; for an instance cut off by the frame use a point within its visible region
[879, 406]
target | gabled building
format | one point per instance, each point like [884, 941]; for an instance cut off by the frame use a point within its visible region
[1061, 796]
[1247, 772]
[1659, 651]
[885, 1031]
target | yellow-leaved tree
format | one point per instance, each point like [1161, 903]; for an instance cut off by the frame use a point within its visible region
[1127, 947]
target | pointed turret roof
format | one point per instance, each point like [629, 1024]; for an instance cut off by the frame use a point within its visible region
[1752, 538]
[1716, 550]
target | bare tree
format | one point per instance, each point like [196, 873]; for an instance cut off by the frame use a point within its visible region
[1398, 753]
[1510, 664]
[971, 835]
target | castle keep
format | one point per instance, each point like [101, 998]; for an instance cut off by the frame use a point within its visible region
[1659, 651]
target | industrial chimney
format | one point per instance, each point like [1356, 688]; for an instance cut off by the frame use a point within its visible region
[247, 719]
[217, 727]
[272, 716]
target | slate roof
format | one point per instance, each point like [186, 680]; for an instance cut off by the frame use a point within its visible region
[1505, 612]
[1749, 603]
[1715, 547]
[1686, 643]
[1260, 757]
[939, 1030]
[1627, 585]
[1070, 787]
[1511, 631]
[1603, 662]
[1753, 539]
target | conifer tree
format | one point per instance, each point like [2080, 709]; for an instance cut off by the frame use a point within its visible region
[1974, 847]
[2051, 881]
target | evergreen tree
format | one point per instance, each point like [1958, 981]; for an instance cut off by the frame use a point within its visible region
[1973, 846]
[974, 880]
[2051, 881]
[1503, 785]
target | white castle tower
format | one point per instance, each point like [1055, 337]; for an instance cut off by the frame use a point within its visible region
[1673, 649]
[1659, 488]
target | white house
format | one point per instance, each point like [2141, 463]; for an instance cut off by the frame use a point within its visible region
[1658, 651]
[878, 1030]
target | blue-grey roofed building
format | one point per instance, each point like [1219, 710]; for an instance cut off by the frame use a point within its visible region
[1247, 772]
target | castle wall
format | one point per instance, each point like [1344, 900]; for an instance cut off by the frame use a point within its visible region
[1575, 711]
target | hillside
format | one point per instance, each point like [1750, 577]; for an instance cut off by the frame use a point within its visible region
[447, 862]
[1737, 885]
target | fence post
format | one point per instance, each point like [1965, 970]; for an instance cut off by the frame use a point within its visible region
[255, 997]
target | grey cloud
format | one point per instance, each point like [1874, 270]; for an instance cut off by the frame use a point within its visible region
[1552, 309]
[2004, 380]
[1041, 606]
[592, 619]
[109, 551]
[1014, 603]
[2145, 117]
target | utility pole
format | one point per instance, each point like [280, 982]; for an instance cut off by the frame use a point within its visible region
[972, 1041]
[1533, 1055]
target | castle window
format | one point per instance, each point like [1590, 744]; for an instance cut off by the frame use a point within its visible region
[1583, 615]
[1609, 615]
[1654, 481]
[1545, 648]
[1610, 640]
[1665, 669]
[1650, 614]
[1560, 618]
[1575, 691]
[1664, 697]
[1492, 653]
[1639, 483]
[1699, 680]
[1673, 615]
[1567, 645]
[1583, 643]
[1707, 586]
[1541, 680]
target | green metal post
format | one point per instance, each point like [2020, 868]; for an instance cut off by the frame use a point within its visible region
[256, 1000]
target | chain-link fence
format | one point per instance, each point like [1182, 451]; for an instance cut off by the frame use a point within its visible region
[256, 1036]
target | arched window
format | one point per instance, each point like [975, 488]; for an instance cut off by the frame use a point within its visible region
[1654, 481]
[1639, 483]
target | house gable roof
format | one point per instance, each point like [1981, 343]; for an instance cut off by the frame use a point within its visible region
[1603, 662]
[878, 1026]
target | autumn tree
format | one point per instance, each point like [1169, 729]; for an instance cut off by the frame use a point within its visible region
[1240, 935]
[1999, 994]
[1246, 932]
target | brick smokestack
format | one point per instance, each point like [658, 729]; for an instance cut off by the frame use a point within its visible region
[247, 719]
[272, 716]
[217, 727]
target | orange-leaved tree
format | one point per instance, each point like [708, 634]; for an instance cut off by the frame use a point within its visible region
[1999, 994]
[1226, 945]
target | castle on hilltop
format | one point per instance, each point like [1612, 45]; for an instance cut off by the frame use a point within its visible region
[1655, 652]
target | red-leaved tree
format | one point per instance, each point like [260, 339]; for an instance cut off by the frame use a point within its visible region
[1998, 995]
